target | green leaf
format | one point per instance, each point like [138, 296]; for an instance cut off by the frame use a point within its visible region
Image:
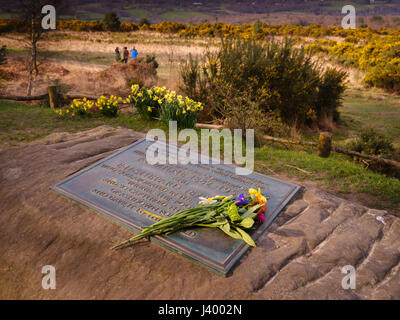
[222, 219]
[212, 225]
[210, 214]
[252, 212]
[226, 227]
[247, 223]
[230, 232]
[246, 237]
[226, 199]
[233, 213]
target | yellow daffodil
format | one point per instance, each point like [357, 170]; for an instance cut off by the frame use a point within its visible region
[254, 193]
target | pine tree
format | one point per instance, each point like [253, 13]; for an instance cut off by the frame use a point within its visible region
[111, 22]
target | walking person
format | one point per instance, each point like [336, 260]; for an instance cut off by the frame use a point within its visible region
[125, 55]
[117, 55]
[134, 53]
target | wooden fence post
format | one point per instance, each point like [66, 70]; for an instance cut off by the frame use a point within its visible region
[54, 100]
[324, 144]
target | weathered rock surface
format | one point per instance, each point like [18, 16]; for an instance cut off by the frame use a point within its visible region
[300, 256]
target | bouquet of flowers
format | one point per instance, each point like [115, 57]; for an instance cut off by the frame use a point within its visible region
[228, 214]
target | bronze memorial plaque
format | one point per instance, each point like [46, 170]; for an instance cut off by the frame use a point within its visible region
[118, 186]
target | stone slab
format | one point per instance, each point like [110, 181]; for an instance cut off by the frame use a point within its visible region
[119, 186]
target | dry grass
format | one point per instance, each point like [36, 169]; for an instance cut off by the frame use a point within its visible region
[170, 52]
[78, 77]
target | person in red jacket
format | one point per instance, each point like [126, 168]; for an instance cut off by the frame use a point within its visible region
[125, 55]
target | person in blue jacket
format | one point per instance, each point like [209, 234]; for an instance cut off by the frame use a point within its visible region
[134, 53]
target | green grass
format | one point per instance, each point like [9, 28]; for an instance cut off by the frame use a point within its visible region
[22, 123]
[183, 14]
[138, 13]
[336, 173]
[362, 110]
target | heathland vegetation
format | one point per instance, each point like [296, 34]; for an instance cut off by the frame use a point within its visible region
[374, 51]
[283, 80]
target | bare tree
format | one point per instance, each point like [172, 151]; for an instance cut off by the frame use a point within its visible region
[31, 12]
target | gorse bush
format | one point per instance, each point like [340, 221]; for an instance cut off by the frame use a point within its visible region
[274, 76]
[379, 57]
[165, 105]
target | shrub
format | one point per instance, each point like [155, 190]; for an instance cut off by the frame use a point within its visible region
[128, 27]
[330, 90]
[143, 22]
[151, 60]
[257, 27]
[111, 22]
[387, 77]
[372, 143]
[274, 76]
[193, 83]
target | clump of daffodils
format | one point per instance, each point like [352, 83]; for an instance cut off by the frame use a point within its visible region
[107, 106]
[77, 108]
[147, 101]
[166, 105]
[182, 110]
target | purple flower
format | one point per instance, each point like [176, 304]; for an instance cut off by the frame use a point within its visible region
[241, 201]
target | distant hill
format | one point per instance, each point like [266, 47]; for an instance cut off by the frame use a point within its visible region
[195, 11]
